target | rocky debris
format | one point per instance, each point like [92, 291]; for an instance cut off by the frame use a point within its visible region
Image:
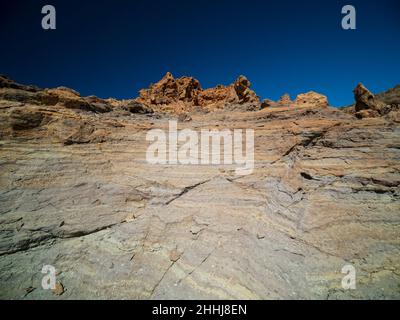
[324, 193]
[312, 99]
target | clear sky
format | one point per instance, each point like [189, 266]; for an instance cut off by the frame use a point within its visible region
[114, 48]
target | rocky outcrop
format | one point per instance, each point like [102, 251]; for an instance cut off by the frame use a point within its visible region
[77, 193]
[309, 99]
[312, 99]
[365, 100]
[285, 100]
[12, 91]
[184, 94]
[169, 91]
[391, 96]
[245, 94]
[20, 119]
[217, 98]
[367, 105]
[7, 83]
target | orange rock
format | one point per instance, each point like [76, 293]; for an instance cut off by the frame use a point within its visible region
[168, 90]
[218, 97]
[182, 94]
[312, 99]
[285, 100]
[365, 100]
[59, 289]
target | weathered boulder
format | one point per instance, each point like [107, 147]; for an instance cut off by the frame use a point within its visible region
[312, 99]
[365, 100]
[243, 91]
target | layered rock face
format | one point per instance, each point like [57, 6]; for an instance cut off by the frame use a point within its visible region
[77, 193]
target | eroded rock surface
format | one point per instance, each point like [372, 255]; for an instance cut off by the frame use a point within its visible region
[77, 193]
[185, 94]
[369, 105]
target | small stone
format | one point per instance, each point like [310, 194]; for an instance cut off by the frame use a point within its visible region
[59, 289]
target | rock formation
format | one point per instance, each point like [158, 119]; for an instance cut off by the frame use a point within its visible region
[77, 193]
[365, 100]
[285, 100]
[168, 91]
[183, 94]
[312, 99]
[368, 105]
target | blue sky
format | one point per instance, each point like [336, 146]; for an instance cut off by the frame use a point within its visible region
[114, 48]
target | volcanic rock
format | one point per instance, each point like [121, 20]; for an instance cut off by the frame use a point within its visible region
[183, 94]
[243, 91]
[77, 193]
[168, 91]
[136, 107]
[365, 100]
[368, 105]
[285, 100]
[391, 96]
[21, 119]
[312, 99]
[267, 103]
